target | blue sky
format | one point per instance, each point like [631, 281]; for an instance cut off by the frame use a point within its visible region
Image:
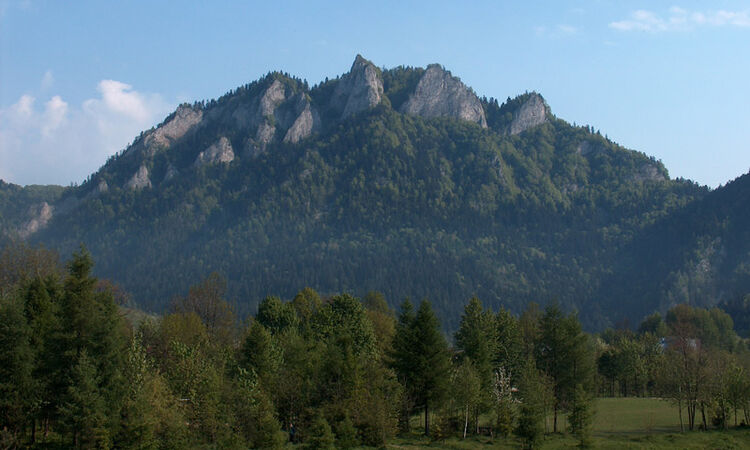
[79, 80]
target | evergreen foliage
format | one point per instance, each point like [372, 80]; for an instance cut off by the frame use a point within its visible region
[74, 373]
[432, 208]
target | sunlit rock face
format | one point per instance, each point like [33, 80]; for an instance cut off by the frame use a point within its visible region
[532, 113]
[358, 90]
[440, 94]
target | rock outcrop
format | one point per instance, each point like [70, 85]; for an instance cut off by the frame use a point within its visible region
[171, 172]
[303, 125]
[278, 111]
[440, 94]
[102, 187]
[175, 127]
[40, 215]
[218, 152]
[358, 90]
[648, 172]
[139, 180]
[533, 112]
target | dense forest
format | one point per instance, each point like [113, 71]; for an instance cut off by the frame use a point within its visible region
[78, 368]
[405, 204]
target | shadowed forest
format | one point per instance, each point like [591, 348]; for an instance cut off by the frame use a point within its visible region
[79, 369]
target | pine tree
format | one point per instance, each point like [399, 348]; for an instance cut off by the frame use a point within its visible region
[581, 416]
[431, 361]
[41, 298]
[346, 434]
[92, 324]
[562, 352]
[83, 411]
[16, 364]
[420, 359]
[321, 436]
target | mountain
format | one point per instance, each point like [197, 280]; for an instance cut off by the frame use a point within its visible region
[401, 180]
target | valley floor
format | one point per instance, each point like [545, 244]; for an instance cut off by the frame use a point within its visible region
[619, 423]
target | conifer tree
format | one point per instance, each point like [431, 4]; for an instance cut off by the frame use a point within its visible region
[83, 410]
[41, 298]
[321, 436]
[431, 361]
[420, 359]
[581, 416]
[16, 364]
[562, 352]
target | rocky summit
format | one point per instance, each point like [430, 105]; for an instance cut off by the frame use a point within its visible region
[399, 180]
[440, 94]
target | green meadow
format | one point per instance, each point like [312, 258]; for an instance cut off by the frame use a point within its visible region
[619, 423]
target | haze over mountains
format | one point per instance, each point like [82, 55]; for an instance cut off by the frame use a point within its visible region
[402, 181]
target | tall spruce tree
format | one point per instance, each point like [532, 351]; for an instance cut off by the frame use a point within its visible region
[83, 411]
[16, 364]
[563, 353]
[91, 324]
[401, 360]
[431, 361]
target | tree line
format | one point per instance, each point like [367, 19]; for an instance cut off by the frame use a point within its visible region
[77, 369]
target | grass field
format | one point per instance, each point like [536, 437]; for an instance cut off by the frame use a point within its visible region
[619, 423]
[635, 415]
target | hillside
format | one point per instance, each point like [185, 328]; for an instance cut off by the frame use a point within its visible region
[399, 180]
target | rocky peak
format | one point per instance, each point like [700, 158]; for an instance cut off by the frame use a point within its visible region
[358, 90]
[271, 99]
[218, 152]
[440, 94]
[533, 112]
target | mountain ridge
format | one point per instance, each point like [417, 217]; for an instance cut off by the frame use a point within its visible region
[277, 184]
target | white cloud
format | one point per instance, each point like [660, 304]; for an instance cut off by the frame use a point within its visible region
[120, 98]
[680, 19]
[54, 115]
[55, 142]
[23, 108]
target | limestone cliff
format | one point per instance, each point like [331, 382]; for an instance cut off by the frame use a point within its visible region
[533, 112]
[40, 215]
[139, 180]
[440, 94]
[358, 90]
[219, 152]
[175, 127]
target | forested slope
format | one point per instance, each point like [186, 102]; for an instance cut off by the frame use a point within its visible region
[401, 181]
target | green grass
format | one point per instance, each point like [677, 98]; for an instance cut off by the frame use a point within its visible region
[619, 423]
[635, 415]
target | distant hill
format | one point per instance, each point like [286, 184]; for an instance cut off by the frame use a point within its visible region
[399, 180]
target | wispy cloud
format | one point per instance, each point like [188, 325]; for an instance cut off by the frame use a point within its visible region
[51, 141]
[48, 80]
[679, 19]
[558, 31]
